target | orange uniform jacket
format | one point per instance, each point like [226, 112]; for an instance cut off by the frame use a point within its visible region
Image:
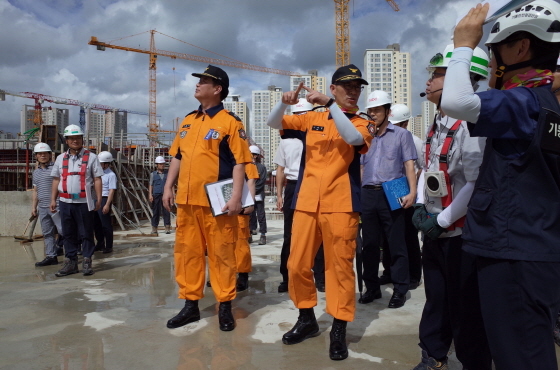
[329, 179]
[209, 145]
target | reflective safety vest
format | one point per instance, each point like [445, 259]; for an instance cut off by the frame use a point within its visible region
[446, 200]
[82, 174]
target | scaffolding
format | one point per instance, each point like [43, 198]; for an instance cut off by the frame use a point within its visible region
[134, 161]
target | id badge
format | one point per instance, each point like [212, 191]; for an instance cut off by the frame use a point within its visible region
[209, 134]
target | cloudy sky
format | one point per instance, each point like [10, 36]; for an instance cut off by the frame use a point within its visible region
[44, 46]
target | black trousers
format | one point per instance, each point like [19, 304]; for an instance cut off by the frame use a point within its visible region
[77, 223]
[103, 227]
[452, 308]
[412, 248]
[319, 263]
[520, 302]
[380, 223]
[260, 215]
[158, 209]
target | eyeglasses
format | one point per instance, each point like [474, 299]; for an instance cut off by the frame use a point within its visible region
[350, 87]
[74, 138]
[435, 75]
[493, 48]
[437, 60]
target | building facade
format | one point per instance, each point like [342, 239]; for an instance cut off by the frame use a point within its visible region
[49, 116]
[429, 111]
[234, 104]
[267, 138]
[388, 70]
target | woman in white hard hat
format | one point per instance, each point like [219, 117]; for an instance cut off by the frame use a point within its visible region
[259, 212]
[155, 194]
[42, 187]
[514, 212]
[103, 224]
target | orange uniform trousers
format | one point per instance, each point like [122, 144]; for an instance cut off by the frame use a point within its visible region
[337, 232]
[242, 249]
[199, 233]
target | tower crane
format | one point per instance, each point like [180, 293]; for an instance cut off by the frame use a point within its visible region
[154, 53]
[342, 34]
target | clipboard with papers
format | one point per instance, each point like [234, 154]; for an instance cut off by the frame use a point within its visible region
[219, 193]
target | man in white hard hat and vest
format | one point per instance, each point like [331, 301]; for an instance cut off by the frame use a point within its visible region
[452, 161]
[259, 214]
[155, 190]
[75, 174]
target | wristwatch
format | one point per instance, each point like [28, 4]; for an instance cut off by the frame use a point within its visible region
[329, 103]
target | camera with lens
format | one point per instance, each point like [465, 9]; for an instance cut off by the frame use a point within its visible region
[435, 183]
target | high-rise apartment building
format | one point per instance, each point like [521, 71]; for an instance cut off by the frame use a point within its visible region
[388, 70]
[115, 123]
[267, 138]
[49, 115]
[416, 126]
[429, 111]
[234, 104]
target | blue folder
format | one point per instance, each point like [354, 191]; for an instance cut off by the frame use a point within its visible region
[395, 190]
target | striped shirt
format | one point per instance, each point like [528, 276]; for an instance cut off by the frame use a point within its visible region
[42, 181]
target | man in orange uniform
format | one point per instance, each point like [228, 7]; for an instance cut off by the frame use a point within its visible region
[242, 249]
[210, 146]
[328, 204]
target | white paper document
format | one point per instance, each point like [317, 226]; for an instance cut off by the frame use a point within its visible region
[220, 192]
[497, 8]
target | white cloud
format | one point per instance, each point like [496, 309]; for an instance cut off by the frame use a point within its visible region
[44, 46]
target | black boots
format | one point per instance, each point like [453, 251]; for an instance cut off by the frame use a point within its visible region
[225, 317]
[69, 267]
[242, 281]
[338, 349]
[305, 327]
[87, 268]
[188, 314]
[47, 261]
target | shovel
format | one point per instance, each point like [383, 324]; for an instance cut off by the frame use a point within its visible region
[23, 236]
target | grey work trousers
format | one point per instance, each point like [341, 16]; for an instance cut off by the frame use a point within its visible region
[49, 230]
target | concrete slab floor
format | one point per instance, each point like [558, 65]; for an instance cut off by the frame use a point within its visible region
[116, 318]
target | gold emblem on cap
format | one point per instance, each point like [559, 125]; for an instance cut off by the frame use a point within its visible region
[353, 70]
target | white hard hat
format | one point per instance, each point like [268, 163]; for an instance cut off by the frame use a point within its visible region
[479, 61]
[255, 149]
[540, 18]
[42, 147]
[160, 159]
[105, 157]
[377, 98]
[399, 113]
[302, 106]
[73, 130]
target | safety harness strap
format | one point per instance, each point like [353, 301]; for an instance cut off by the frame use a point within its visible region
[443, 166]
[82, 174]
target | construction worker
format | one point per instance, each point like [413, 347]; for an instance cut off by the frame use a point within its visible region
[103, 224]
[452, 160]
[259, 213]
[242, 247]
[513, 214]
[400, 115]
[391, 156]
[210, 146]
[288, 159]
[40, 207]
[327, 205]
[76, 173]
[158, 179]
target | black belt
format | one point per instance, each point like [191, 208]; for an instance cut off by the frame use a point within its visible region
[105, 197]
[291, 181]
[373, 187]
